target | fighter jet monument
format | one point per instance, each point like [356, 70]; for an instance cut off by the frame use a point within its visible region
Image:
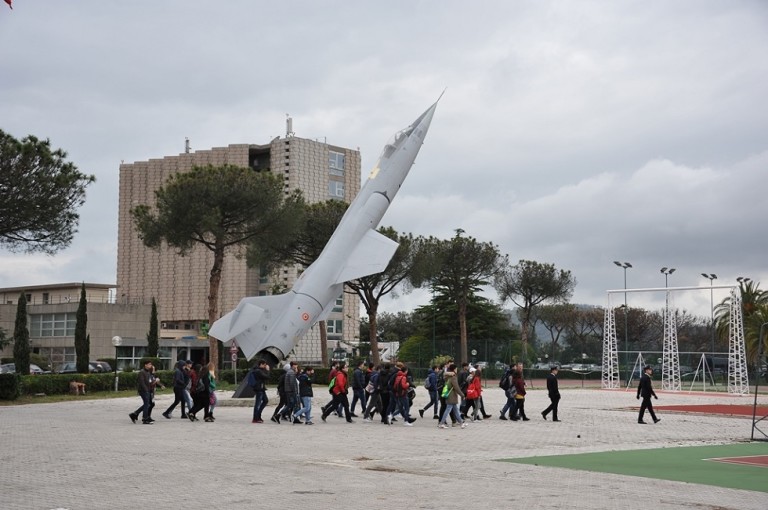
[273, 325]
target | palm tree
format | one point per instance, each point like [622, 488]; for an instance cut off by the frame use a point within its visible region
[754, 309]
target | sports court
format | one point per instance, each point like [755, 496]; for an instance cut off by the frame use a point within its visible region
[735, 466]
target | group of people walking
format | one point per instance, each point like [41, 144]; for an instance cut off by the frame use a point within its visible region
[387, 390]
[194, 389]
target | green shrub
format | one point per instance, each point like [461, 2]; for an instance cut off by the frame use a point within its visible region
[10, 387]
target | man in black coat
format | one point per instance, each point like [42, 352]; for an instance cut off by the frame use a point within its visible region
[554, 394]
[645, 388]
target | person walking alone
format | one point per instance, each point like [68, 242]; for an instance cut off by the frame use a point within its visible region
[554, 394]
[645, 389]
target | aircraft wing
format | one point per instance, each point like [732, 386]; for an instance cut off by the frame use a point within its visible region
[371, 255]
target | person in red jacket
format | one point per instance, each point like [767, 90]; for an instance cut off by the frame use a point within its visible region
[339, 391]
[474, 393]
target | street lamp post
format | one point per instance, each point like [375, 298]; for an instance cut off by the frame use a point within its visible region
[711, 277]
[625, 265]
[117, 342]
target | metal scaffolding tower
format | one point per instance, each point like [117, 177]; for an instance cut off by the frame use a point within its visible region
[670, 362]
[738, 379]
[610, 351]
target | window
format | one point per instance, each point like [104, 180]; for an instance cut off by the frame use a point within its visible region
[46, 298]
[128, 356]
[57, 356]
[336, 163]
[52, 324]
[263, 275]
[336, 189]
[334, 326]
[339, 306]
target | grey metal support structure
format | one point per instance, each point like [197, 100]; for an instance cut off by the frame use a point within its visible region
[610, 375]
[670, 361]
[755, 419]
[738, 378]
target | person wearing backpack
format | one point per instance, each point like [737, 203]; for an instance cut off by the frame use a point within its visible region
[373, 389]
[392, 409]
[509, 391]
[257, 380]
[440, 387]
[331, 375]
[339, 390]
[430, 384]
[400, 388]
[452, 393]
[202, 396]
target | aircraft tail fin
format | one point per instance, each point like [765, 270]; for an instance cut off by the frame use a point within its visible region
[251, 322]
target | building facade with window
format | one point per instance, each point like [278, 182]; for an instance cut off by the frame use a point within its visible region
[52, 315]
[180, 284]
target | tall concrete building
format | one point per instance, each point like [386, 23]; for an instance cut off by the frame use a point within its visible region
[180, 284]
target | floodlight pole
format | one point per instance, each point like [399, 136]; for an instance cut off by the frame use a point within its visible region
[760, 344]
[711, 277]
[625, 265]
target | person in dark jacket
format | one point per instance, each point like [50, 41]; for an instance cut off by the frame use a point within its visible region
[202, 395]
[180, 381]
[145, 389]
[280, 395]
[645, 389]
[374, 397]
[554, 394]
[257, 380]
[384, 375]
[358, 388]
[291, 391]
[431, 387]
[305, 394]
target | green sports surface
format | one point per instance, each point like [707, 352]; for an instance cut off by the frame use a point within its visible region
[682, 464]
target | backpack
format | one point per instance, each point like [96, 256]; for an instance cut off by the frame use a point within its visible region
[446, 390]
[200, 386]
[401, 385]
[504, 381]
[428, 383]
[252, 379]
[331, 384]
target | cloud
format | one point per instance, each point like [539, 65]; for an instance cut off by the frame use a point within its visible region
[570, 133]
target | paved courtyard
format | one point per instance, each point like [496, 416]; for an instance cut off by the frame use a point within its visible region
[88, 455]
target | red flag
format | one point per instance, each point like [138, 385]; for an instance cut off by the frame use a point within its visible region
[9, 3]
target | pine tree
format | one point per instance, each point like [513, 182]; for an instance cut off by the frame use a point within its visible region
[82, 340]
[21, 338]
[153, 342]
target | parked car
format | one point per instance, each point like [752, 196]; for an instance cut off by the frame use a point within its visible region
[10, 368]
[101, 366]
[71, 368]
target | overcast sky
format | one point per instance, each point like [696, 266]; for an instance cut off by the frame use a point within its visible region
[572, 133]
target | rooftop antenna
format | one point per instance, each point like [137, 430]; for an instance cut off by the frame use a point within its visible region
[187, 147]
[288, 126]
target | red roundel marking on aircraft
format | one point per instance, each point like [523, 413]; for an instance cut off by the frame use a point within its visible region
[305, 316]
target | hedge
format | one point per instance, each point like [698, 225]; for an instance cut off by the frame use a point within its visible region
[13, 385]
[10, 386]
